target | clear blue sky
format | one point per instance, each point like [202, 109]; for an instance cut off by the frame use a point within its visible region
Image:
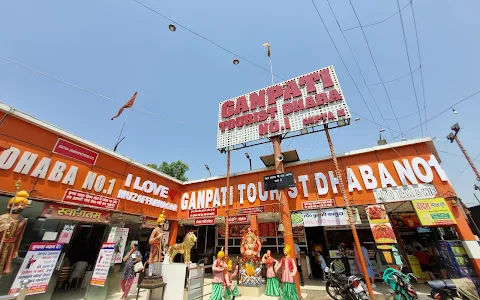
[117, 47]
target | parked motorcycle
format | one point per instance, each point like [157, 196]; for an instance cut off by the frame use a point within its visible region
[401, 288]
[340, 286]
[446, 289]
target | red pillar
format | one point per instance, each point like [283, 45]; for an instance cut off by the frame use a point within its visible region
[254, 223]
[172, 238]
[466, 235]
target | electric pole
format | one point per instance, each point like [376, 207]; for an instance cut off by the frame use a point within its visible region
[453, 136]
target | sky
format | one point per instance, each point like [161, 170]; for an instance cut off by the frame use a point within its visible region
[111, 48]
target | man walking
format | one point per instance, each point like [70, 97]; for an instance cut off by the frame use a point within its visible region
[299, 263]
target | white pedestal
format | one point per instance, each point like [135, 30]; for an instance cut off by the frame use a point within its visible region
[174, 276]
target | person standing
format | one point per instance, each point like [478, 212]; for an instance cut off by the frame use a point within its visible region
[319, 260]
[130, 259]
[367, 263]
[299, 263]
[342, 248]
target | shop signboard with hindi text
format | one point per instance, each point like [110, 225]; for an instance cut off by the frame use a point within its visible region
[316, 204]
[204, 221]
[433, 212]
[203, 212]
[252, 210]
[38, 267]
[83, 198]
[67, 212]
[306, 101]
[102, 265]
[238, 219]
[324, 217]
[152, 223]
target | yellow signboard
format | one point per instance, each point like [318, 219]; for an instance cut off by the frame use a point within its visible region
[433, 212]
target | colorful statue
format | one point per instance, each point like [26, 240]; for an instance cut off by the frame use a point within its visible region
[12, 227]
[218, 269]
[184, 248]
[155, 241]
[289, 272]
[231, 289]
[250, 248]
[273, 287]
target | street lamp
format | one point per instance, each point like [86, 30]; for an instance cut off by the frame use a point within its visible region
[208, 169]
[172, 27]
[236, 61]
[249, 159]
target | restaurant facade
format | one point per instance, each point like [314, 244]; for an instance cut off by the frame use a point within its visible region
[82, 195]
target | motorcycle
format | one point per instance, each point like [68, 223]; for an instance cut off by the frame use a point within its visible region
[340, 286]
[402, 289]
[446, 289]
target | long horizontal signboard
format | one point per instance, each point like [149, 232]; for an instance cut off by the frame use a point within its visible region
[306, 101]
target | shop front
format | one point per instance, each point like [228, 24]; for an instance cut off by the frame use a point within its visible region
[82, 196]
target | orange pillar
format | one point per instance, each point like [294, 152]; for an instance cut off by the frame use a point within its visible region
[466, 235]
[172, 238]
[254, 223]
[285, 209]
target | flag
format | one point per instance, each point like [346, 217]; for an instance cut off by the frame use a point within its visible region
[267, 45]
[126, 105]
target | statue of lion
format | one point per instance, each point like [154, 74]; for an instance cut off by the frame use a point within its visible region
[183, 248]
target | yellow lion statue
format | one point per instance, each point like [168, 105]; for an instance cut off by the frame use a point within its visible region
[183, 248]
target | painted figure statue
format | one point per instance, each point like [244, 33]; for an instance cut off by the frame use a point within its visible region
[273, 287]
[12, 227]
[218, 269]
[231, 289]
[184, 248]
[250, 248]
[155, 241]
[289, 271]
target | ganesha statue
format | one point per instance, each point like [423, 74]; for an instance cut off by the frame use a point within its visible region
[250, 248]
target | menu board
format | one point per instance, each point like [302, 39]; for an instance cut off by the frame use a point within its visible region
[433, 212]
[381, 228]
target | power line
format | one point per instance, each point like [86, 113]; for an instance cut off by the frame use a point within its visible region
[376, 68]
[442, 112]
[379, 22]
[207, 39]
[395, 79]
[453, 154]
[410, 65]
[406, 116]
[98, 94]
[345, 65]
[466, 168]
[421, 70]
[356, 62]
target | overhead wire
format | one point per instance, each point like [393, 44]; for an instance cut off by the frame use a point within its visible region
[421, 69]
[466, 168]
[98, 94]
[345, 65]
[356, 62]
[406, 116]
[376, 67]
[442, 112]
[395, 79]
[410, 65]
[379, 22]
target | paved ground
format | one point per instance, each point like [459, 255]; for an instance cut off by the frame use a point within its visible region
[313, 289]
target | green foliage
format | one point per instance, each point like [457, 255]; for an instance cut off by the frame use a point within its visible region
[175, 169]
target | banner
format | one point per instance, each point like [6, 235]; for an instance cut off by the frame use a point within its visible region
[38, 266]
[433, 212]
[406, 220]
[324, 217]
[66, 234]
[119, 237]
[102, 265]
[381, 228]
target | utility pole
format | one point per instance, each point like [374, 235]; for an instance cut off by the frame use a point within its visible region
[453, 136]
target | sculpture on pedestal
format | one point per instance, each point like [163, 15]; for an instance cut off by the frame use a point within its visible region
[250, 248]
[231, 289]
[219, 267]
[289, 271]
[273, 287]
[183, 248]
[155, 241]
[12, 227]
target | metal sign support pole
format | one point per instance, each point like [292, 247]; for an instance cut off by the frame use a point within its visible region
[349, 212]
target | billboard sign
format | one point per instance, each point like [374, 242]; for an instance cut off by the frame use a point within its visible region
[306, 101]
